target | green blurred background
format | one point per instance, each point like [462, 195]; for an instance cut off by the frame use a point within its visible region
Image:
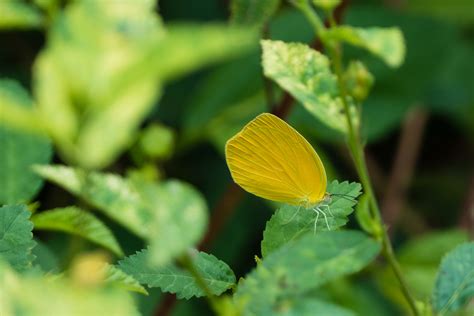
[418, 124]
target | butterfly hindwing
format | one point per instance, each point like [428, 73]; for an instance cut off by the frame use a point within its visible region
[272, 160]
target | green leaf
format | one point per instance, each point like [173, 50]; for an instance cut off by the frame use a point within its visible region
[180, 218]
[119, 278]
[308, 307]
[385, 43]
[291, 222]
[253, 13]
[15, 14]
[302, 265]
[171, 216]
[16, 239]
[419, 259]
[20, 150]
[33, 294]
[306, 75]
[113, 195]
[78, 222]
[174, 279]
[455, 282]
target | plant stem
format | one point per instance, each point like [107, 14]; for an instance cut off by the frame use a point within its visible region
[357, 151]
[187, 261]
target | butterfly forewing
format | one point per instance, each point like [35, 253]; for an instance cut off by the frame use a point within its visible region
[272, 160]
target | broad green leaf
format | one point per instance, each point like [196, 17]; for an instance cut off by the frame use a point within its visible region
[385, 43]
[45, 258]
[290, 222]
[36, 295]
[117, 277]
[251, 12]
[76, 221]
[111, 194]
[419, 259]
[302, 265]
[307, 306]
[91, 120]
[16, 14]
[174, 279]
[171, 215]
[180, 218]
[306, 75]
[16, 239]
[455, 282]
[20, 149]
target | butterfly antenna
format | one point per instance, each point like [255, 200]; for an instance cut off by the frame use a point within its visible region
[345, 196]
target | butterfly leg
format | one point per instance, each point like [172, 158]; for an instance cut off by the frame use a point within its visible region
[293, 216]
[325, 218]
[329, 210]
[316, 220]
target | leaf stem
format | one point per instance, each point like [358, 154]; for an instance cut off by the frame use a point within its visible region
[187, 262]
[357, 150]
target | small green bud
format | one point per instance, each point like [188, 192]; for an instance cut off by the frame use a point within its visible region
[327, 5]
[359, 80]
[157, 142]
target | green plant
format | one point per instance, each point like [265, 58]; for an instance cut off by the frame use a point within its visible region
[90, 128]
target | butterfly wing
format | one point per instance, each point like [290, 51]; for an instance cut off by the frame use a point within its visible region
[272, 160]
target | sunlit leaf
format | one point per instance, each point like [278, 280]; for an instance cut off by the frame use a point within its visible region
[171, 215]
[117, 277]
[291, 222]
[174, 279]
[306, 75]
[180, 218]
[16, 14]
[252, 13]
[385, 43]
[455, 282]
[19, 149]
[109, 193]
[304, 264]
[35, 295]
[76, 221]
[16, 239]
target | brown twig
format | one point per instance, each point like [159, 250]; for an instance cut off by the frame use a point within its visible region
[404, 165]
[466, 221]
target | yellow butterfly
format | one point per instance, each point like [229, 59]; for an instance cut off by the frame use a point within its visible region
[270, 159]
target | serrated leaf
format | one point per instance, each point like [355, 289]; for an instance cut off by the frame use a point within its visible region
[15, 14]
[20, 149]
[455, 281]
[306, 75]
[33, 294]
[171, 216]
[173, 279]
[78, 222]
[251, 12]
[16, 239]
[308, 306]
[180, 218]
[385, 43]
[302, 265]
[118, 277]
[112, 194]
[291, 222]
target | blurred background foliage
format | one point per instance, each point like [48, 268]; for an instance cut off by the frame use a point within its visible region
[119, 88]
